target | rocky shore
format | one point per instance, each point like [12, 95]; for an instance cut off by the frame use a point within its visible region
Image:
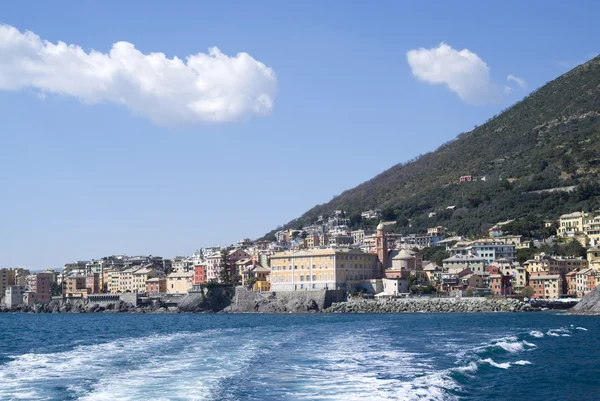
[589, 304]
[121, 307]
[249, 302]
[431, 305]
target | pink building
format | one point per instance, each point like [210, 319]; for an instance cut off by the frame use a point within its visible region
[39, 284]
[213, 262]
[92, 283]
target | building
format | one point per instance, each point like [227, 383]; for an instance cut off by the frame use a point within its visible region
[125, 280]
[78, 267]
[571, 283]
[489, 249]
[39, 286]
[472, 281]
[371, 214]
[499, 282]
[546, 286]
[433, 271]
[256, 273]
[423, 240]
[554, 264]
[586, 280]
[514, 269]
[438, 231]
[13, 296]
[199, 274]
[156, 285]
[406, 260]
[179, 282]
[496, 229]
[140, 277]
[318, 269]
[571, 223]
[358, 236]
[475, 263]
[394, 287]
[213, 262]
[92, 283]
[74, 286]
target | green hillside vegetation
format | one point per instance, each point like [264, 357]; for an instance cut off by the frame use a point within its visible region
[550, 139]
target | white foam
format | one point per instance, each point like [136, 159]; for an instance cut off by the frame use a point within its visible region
[581, 328]
[510, 346]
[182, 364]
[522, 363]
[504, 365]
[536, 334]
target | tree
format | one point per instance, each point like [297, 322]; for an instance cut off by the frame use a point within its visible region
[251, 281]
[225, 268]
[55, 289]
[527, 292]
[574, 249]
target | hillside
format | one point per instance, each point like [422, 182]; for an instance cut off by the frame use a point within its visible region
[550, 139]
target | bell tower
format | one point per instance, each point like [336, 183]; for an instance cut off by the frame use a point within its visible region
[381, 244]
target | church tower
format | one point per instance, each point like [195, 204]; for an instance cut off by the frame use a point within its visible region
[381, 244]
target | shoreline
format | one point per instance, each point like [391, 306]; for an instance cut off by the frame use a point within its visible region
[405, 305]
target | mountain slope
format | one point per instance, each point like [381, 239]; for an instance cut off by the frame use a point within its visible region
[550, 139]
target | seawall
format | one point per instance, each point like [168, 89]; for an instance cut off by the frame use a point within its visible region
[246, 301]
[431, 305]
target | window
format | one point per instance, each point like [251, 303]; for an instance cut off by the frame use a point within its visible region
[314, 277]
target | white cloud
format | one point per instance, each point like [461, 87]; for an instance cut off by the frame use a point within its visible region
[463, 72]
[209, 87]
[519, 81]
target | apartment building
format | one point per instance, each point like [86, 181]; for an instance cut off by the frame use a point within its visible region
[318, 269]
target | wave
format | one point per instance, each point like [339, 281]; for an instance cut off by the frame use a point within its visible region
[581, 328]
[522, 363]
[504, 365]
[536, 334]
[186, 364]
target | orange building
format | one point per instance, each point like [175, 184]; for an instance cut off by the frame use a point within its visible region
[156, 285]
[546, 286]
[199, 275]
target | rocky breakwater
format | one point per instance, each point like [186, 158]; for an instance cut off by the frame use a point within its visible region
[431, 305]
[80, 307]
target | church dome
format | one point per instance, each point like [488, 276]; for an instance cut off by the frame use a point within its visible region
[404, 255]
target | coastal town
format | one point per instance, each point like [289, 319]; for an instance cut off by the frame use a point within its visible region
[329, 255]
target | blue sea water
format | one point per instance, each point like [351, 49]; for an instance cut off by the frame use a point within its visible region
[526, 356]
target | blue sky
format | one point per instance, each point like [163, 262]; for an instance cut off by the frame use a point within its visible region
[107, 171]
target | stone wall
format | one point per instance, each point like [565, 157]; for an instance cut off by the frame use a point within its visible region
[246, 301]
[431, 305]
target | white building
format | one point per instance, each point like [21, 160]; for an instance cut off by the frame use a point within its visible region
[13, 296]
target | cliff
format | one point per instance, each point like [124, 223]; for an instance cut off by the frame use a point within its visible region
[589, 304]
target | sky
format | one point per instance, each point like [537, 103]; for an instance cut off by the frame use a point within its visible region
[147, 127]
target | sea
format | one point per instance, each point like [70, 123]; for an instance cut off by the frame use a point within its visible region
[419, 356]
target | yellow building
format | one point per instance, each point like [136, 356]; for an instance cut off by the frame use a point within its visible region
[318, 269]
[140, 277]
[554, 264]
[571, 223]
[179, 282]
[126, 280]
[74, 287]
[113, 281]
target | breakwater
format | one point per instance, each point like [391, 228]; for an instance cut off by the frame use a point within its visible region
[431, 305]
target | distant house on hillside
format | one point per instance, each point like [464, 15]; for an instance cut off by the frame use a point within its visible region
[465, 178]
